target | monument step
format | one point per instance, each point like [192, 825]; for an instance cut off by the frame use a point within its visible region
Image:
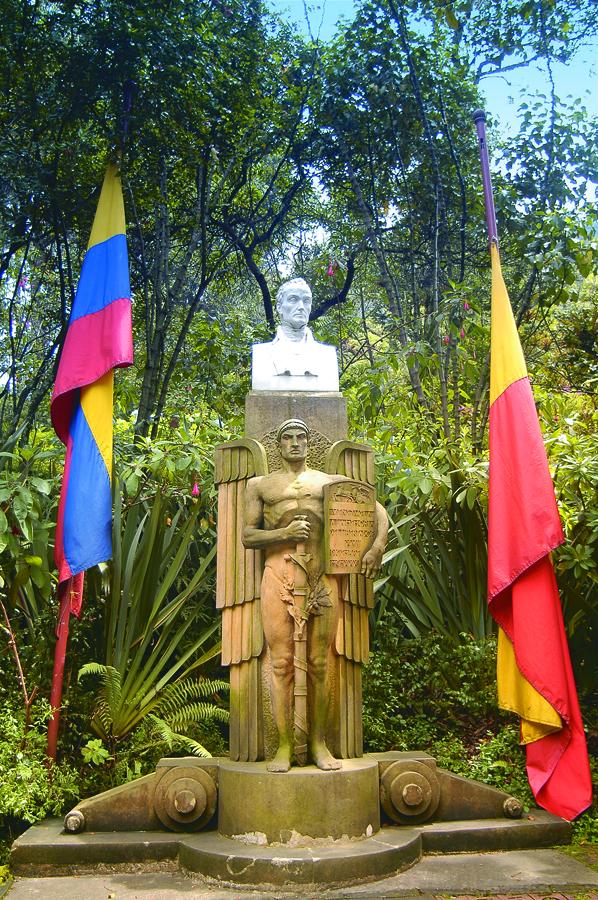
[46, 849]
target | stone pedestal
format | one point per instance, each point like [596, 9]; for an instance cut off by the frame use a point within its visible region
[323, 412]
[257, 806]
[303, 830]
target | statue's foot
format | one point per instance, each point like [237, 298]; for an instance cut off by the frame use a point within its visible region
[324, 759]
[281, 762]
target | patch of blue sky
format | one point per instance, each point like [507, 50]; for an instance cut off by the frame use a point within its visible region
[503, 92]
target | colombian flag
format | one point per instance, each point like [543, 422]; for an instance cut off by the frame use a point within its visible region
[98, 339]
[535, 678]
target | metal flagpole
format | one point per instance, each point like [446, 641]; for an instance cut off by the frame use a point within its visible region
[479, 117]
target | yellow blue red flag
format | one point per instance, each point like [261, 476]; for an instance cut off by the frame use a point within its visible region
[99, 339]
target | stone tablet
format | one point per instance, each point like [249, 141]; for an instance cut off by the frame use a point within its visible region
[349, 525]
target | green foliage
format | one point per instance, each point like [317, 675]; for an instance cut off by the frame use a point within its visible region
[585, 828]
[194, 728]
[31, 789]
[180, 721]
[435, 567]
[95, 753]
[182, 708]
[157, 620]
[28, 498]
[177, 711]
[570, 433]
[180, 460]
[499, 760]
[431, 694]
[417, 692]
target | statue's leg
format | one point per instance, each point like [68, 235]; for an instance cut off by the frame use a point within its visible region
[278, 631]
[321, 633]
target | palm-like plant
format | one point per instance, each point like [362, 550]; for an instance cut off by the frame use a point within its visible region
[159, 627]
[435, 570]
[176, 709]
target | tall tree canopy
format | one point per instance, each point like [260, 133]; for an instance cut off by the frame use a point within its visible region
[249, 152]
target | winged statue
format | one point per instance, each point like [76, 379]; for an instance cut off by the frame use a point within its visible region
[294, 585]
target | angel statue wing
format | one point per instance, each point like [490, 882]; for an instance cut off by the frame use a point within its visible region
[239, 574]
[351, 646]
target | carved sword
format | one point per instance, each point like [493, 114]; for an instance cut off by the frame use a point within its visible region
[300, 613]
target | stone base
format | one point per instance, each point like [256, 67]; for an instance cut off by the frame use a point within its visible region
[304, 827]
[45, 849]
[323, 412]
[257, 806]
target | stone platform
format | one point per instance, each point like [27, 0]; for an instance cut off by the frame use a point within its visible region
[240, 825]
[514, 872]
[46, 849]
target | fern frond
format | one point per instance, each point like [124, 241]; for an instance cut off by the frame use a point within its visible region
[163, 730]
[112, 689]
[174, 696]
[173, 739]
[194, 713]
[101, 720]
[92, 668]
[200, 688]
[192, 746]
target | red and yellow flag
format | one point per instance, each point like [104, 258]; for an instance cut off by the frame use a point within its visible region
[535, 678]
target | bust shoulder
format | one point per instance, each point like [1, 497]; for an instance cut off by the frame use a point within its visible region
[283, 365]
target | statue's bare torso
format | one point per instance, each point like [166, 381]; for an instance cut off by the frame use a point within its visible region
[285, 495]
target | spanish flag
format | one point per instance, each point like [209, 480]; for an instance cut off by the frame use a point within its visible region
[99, 338]
[535, 678]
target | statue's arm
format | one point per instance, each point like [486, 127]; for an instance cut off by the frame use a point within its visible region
[372, 560]
[255, 535]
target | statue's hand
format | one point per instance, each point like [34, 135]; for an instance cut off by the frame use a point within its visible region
[371, 562]
[298, 529]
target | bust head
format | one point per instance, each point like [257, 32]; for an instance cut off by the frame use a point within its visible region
[293, 302]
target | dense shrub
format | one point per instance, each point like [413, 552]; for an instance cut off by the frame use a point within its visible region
[437, 695]
[420, 691]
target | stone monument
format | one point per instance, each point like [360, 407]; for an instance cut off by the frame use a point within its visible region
[265, 482]
[300, 537]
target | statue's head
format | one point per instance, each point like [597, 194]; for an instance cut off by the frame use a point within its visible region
[293, 302]
[293, 439]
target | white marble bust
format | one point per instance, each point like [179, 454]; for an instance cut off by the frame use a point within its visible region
[294, 360]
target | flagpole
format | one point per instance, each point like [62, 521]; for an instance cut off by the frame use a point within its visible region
[479, 117]
[98, 340]
[534, 673]
[62, 635]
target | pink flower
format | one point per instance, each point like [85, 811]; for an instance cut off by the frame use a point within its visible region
[466, 306]
[445, 339]
[195, 489]
[461, 334]
[330, 270]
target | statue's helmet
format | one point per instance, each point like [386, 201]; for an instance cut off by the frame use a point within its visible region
[291, 423]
